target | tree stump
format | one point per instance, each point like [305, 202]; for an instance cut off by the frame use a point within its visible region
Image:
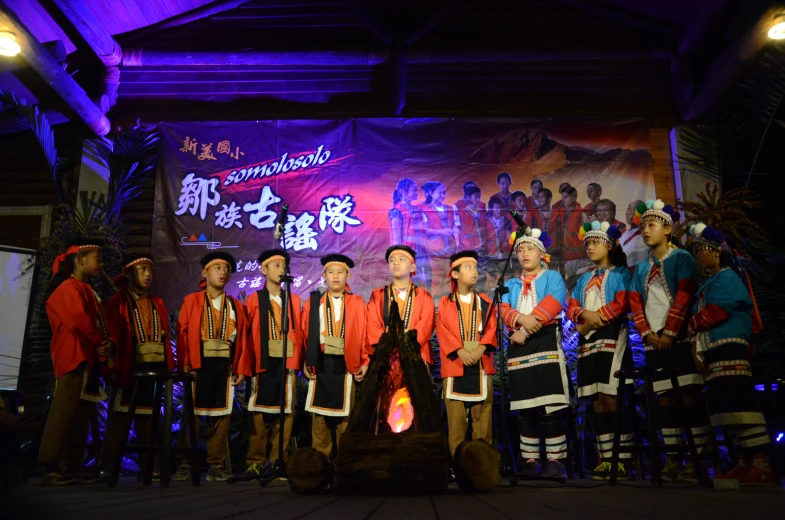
[309, 471]
[477, 466]
[392, 463]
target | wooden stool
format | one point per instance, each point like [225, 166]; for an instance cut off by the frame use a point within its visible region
[165, 449]
[654, 448]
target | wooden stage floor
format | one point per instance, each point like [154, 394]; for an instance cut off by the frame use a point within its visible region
[533, 500]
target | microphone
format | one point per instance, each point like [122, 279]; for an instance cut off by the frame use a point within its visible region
[279, 224]
[518, 220]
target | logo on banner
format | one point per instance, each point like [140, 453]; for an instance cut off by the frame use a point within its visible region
[284, 164]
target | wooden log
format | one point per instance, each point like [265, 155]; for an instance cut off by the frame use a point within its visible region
[40, 60]
[391, 464]
[477, 466]
[309, 471]
[153, 58]
[94, 33]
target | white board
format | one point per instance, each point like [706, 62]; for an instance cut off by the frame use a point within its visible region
[15, 289]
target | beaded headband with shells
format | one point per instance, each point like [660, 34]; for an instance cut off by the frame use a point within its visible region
[533, 236]
[604, 231]
[656, 209]
[707, 237]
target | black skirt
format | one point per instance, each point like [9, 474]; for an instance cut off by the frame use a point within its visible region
[600, 357]
[331, 392]
[677, 359]
[537, 372]
[731, 392]
[213, 393]
[471, 387]
[144, 393]
[266, 394]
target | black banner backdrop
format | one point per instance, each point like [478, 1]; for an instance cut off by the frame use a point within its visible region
[356, 186]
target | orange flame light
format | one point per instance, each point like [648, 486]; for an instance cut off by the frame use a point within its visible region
[401, 413]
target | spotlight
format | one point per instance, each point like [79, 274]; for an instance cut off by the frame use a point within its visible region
[8, 45]
[779, 436]
[777, 32]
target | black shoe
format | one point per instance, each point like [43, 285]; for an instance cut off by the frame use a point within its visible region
[554, 470]
[530, 468]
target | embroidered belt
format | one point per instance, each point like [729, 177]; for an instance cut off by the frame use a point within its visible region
[471, 346]
[150, 353]
[333, 346]
[275, 348]
[216, 348]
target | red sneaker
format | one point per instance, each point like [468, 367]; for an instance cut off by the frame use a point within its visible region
[737, 473]
[758, 475]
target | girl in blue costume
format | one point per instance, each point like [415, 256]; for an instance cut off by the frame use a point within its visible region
[537, 375]
[598, 306]
[724, 318]
[661, 295]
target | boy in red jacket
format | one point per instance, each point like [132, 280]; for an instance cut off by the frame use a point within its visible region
[414, 306]
[138, 324]
[268, 354]
[211, 342]
[337, 352]
[81, 353]
[466, 351]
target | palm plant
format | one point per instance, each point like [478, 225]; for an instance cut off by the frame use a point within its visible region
[731, 149]
[132, 162]
[30, 118]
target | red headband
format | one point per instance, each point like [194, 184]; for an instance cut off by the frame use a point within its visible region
[59, 259]
[141, 260]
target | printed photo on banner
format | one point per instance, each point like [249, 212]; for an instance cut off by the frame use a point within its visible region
[358, 186]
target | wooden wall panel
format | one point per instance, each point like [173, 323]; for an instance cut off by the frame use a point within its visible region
[662, 165]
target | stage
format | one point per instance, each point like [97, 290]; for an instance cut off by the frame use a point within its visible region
[534, 500]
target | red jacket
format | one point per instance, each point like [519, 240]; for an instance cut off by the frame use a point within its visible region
[189, 335]
[439, 244]
[256, 345]
[502, 245]
[568, 223]
[449, 336]
[357, 352]
[472, 229]
[73, 314]
[421, 320]
[119, 323]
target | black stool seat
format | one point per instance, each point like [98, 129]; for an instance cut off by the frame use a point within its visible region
[654, 447]
[165, 379]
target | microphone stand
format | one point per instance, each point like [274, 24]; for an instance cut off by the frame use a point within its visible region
[500, 291]
[278, 470]
[271, 472]
[506, 463]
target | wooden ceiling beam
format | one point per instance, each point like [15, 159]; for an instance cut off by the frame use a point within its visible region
[92, 31]
[150, 58]
[187, 17]
[432, 22]
[380, 32]
[40, 60]
[732, 62]
[623, 15]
